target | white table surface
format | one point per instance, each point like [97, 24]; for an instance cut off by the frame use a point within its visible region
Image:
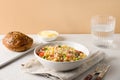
[13, 70]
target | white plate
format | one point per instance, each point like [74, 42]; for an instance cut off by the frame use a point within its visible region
[7, 56]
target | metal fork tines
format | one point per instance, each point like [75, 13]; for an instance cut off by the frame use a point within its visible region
[100, 71]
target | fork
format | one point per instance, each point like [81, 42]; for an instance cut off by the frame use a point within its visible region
[100, 71]
[101, 75]
[47, 75]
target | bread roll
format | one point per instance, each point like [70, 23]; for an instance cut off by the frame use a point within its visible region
[17, 41]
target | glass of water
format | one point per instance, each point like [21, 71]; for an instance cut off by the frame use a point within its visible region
[102, 29]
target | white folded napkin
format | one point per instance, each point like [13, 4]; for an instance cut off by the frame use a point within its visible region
[34, 67]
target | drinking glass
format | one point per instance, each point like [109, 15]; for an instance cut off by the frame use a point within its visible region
[102, 29]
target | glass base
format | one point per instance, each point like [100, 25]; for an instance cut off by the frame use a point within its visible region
[104, 44]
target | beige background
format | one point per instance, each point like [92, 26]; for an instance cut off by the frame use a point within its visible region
[64, 16]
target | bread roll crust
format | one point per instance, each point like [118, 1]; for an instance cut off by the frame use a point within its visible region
[17, 41]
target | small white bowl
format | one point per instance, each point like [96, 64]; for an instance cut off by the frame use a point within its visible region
[62, 66]
[48, 35]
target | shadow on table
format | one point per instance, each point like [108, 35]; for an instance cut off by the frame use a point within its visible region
[60, 38]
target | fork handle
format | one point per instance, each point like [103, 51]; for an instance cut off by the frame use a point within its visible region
[88, 77]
